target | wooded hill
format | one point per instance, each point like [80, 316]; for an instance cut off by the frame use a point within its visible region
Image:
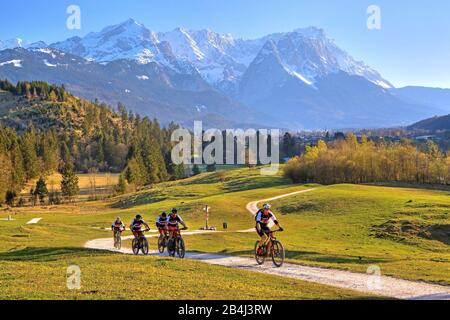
[43, 128]
[434, 124]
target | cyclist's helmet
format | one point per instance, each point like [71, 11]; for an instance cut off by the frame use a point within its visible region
[138, 216]
[266, 206]
[163, 214]
[118, 219]
[174, 210]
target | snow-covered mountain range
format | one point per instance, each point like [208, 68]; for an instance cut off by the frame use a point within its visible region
[289, 78]
[306, 53]
[20, 43]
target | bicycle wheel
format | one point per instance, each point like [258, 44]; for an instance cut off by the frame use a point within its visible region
[259, 254]
[180, 248]
[171, 247]
[135, 246]
[145, 246]
[277, 253]
[161, 243]
[118, 242]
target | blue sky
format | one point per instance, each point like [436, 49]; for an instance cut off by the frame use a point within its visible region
[412, 47]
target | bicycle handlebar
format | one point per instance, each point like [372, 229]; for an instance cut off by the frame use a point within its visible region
[278, 230]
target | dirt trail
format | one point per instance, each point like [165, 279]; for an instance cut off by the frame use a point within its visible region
[362, 282]
[252, 207]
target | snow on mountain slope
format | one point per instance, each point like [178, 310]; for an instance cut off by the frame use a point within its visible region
[183, 45]
[19, 43]
[148, 89]
[13, 43]
[310, 53]
[305, 53]
[16, 63]
[128, 40]
[299, 78]
[221, 60]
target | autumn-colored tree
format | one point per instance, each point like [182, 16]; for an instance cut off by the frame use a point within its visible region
[353, 161]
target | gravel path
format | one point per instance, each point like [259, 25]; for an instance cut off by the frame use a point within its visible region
[362, 282]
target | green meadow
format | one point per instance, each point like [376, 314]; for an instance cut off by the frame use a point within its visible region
[404, 231]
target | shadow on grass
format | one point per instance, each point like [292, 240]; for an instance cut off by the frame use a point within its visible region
[315, 257]
[141, 199]
[342, 259]
[439, 232]
[298, 208]
[205, 178]
[437, 187]
[250, 184]
[46, 254]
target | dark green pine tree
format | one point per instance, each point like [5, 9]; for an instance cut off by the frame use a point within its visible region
[5, 169]
[65, 155]
[10, 198]
[160, 162]
[30, 158]
[69, 182]
[48, 151]
[122, 185]
[18, 175]
[135, 172]
[41, 189]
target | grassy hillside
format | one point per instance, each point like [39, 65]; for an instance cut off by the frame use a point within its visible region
[404, 231]
[34, 258]
[343, 226]
[40, 274]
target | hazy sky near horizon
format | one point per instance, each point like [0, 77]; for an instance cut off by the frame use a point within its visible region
[412, 47]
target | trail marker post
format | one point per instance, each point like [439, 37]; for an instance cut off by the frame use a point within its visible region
[206, 209]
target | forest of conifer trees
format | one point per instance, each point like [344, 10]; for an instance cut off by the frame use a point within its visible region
[49, 128]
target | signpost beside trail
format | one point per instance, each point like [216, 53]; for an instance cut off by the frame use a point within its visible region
[206, 209]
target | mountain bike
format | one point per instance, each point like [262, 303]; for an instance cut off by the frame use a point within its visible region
[118, 239]
[176, 245]
[162, 241]
[276, 250]
[140, 243]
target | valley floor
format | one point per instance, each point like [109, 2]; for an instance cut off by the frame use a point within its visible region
[347, 227]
